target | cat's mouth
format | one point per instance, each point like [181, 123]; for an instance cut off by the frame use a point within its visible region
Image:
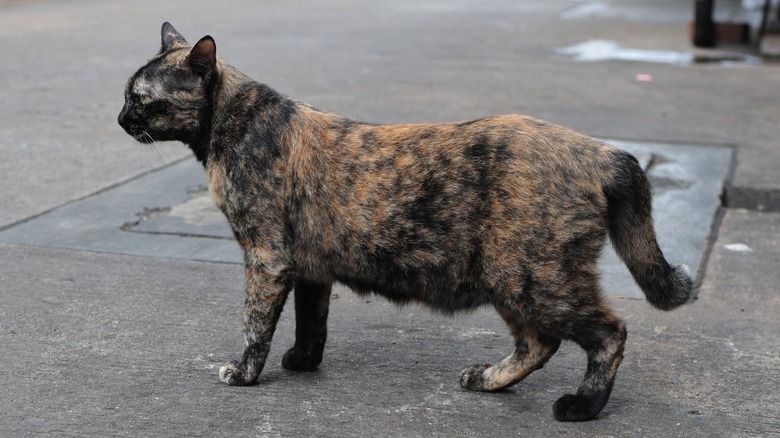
[138, 134]
[144, 137]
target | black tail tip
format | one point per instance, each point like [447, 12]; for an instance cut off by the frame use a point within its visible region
[676, 290]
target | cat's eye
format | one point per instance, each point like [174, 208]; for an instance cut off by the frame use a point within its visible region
[144, 99]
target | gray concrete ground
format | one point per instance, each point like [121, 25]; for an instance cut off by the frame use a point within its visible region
[99, 338]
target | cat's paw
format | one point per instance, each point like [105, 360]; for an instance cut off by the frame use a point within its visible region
[300, 360]
[235, 374]
[572, 407]
[473, 378]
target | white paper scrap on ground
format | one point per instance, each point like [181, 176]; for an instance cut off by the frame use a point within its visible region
[737, 247]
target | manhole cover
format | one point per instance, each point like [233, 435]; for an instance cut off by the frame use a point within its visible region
[168, 213]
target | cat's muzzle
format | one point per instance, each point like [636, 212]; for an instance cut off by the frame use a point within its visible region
[132, 128]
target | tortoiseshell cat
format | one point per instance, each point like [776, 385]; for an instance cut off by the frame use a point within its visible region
[508, 211]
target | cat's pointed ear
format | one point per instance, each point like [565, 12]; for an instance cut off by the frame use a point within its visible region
[171, 39]
[203, 57]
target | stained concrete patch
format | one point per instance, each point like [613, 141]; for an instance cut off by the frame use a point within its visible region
[168, 213]
[109, 221]
[195, 217]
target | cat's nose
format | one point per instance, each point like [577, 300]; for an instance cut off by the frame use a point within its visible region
[122, 119]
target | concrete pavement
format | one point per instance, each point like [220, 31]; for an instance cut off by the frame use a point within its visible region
[101, 342]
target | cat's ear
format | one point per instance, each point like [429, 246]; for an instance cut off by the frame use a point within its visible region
[203, 57]
[171, 39]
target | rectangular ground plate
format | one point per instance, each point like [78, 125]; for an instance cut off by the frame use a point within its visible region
[168, 213]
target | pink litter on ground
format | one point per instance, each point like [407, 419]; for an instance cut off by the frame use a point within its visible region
[641, 77]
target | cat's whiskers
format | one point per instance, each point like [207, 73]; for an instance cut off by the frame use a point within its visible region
[147, 155]
[155, 150]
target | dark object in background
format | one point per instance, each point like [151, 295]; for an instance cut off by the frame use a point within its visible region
[703, 27]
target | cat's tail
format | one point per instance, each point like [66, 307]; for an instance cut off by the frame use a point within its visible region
[629, 211]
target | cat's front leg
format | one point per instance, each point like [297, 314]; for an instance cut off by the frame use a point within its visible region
[311, 317]
[265, 297]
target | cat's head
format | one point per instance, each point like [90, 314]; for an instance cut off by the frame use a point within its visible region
[170, 97]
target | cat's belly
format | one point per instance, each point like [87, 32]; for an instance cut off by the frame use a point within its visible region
[444, 296]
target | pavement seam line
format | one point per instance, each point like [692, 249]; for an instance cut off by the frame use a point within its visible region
[91, 194]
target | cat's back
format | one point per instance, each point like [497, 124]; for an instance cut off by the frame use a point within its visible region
[513, 150]
[510, 158]
[505, 139]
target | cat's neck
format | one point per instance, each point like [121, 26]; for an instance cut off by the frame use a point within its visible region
[223, 92]
[228, 82]
[237, 101]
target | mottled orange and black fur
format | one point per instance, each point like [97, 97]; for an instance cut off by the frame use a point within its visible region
[505, 211]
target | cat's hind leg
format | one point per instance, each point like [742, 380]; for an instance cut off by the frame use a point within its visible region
[602, 335]
[311, 315]
[532, 350]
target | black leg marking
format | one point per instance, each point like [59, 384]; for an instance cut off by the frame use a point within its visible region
[603, 337]
[311, 316]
